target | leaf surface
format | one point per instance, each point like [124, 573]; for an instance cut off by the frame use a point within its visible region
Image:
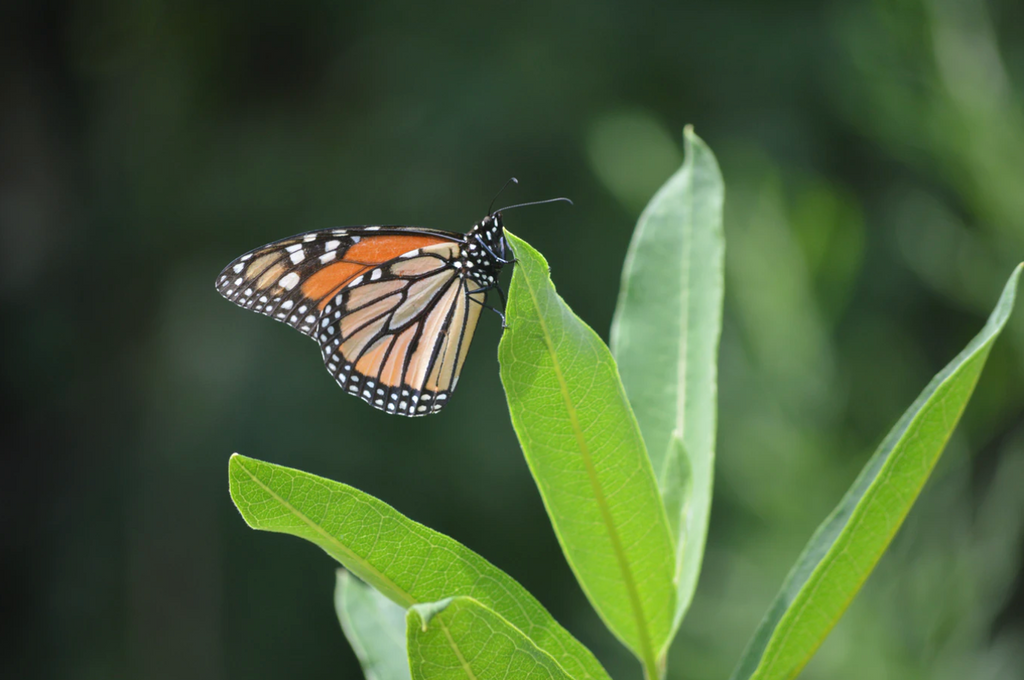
[460, 639]
[665, 339]
[374, 626]
[585, 451]
[404, 560]
[847, 546]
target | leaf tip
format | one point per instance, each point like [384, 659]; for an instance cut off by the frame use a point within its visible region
[236, 465]
[523, 250]
[233, 462]
[511, 238]
[692, 142]
[428, 610]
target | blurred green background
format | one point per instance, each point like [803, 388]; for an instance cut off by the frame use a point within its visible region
[874, 160]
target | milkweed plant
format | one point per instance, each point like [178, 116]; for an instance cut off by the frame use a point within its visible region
[621, 443]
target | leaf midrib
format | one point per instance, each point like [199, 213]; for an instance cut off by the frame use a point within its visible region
[633, 593]
[683, 365]
[458, 652]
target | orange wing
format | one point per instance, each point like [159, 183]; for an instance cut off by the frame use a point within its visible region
[292, 280]
[397, 335]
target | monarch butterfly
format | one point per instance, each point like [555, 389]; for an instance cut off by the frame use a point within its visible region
[393, 308]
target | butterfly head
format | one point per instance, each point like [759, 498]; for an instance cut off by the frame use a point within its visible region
[485, 251]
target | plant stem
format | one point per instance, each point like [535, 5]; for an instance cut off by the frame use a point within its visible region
[655, 669]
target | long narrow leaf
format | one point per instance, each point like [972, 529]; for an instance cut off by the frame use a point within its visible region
[587, 456]
[405, 561]
[461, 639]
[846, 547]
[374, 626]
[665, 339]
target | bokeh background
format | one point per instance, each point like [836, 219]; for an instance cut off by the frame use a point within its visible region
[874, 160]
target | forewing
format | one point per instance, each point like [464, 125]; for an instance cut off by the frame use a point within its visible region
[292, 280]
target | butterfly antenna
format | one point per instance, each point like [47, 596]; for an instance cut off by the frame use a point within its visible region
[511, 180]
[550, 200]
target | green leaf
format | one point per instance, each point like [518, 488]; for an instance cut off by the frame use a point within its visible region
[461, 639]
[374, 626]
[676, 492]
[665, 339]
[405, 561]
[846, 547]
[587, 456]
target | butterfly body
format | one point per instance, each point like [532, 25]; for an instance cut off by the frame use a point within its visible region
[393, 309]
[483, 256]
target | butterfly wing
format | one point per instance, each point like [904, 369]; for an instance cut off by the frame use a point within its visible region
[291, 280]
[397, 335]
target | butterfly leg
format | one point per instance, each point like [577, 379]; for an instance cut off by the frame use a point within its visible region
[503, 255]
[500, 314]
[493, 254]
[501, 294]
[487, 306]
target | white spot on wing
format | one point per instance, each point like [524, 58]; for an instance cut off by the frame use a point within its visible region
[289, 280]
